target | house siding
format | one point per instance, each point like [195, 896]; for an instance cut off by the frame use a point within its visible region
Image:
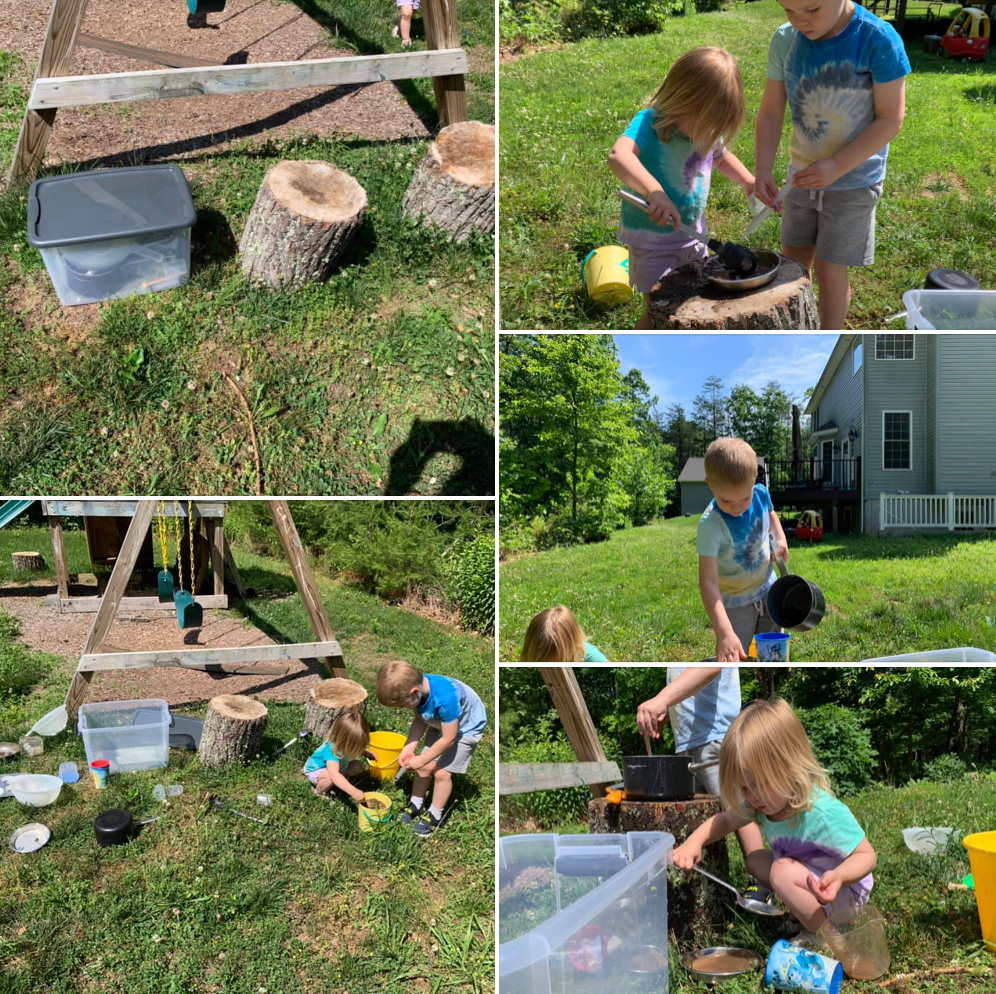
[930, 424]
[966, 414]
[842, 401]
[695, 497]
[893, 385]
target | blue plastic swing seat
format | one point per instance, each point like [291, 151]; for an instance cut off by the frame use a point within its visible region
[189, 613]
[166, 593]
[205, 6]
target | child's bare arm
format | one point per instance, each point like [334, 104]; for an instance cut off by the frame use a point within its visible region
[338, 780]
[856, 867]
[711, 830]
[890, 109]
[415, 733]
[767, 135]
[624, 161]
[728, 647]
[780, 540]
[450, 731]
[733, 169]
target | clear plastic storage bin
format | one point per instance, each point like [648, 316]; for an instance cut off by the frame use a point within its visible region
[113, 232]
[950, 310]
[131, 735]
[583, 914]
[962, 655]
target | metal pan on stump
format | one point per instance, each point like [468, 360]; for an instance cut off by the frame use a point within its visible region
[661, 778]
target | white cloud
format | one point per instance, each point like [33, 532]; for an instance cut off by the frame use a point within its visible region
[795, 361]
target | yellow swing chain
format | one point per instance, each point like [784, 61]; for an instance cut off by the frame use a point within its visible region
[190, 532]
[163, 534]
[178, 528]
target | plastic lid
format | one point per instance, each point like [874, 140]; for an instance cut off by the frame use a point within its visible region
[108, 203]
[100, 764]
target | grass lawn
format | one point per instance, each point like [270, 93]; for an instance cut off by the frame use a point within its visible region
[203, 901]
[562, 110]
[637, 595]
[927, 926]
[378, 381]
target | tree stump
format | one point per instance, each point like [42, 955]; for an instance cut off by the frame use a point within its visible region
[686, 300]
[304, 217]
[329, 699]
[25, 561]
[454, 185]
[233, 730]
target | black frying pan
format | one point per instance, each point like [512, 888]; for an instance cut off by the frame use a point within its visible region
[793, 602]
[661, 778]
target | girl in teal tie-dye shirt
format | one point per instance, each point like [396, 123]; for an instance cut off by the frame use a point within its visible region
[667, 155]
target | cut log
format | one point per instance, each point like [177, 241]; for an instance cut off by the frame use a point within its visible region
[305, 215]
[685, 299]
[233, 730]
[329, 699]
[454, 185]
[25, 561]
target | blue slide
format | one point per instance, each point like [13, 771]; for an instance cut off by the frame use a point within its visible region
[10, 509]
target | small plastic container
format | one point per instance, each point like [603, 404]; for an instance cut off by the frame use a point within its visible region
[856, 937]
[112, 232]
[159, 792]
[32, 745]
[577, 913]
[961, 655]
[950, 310]
[794, 968]
[69, 772]
[100, 770]
[772, 647]
[111, 731]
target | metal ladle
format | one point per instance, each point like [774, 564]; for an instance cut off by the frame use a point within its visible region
[748, 903]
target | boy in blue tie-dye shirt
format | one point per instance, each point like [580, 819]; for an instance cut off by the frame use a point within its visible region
[841, 70]
[735, 571]
[667, 155]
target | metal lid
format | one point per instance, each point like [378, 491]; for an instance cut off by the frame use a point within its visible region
[8, 749]
[108, 203]
[30, 837]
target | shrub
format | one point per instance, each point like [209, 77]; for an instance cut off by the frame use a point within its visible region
[842, 745]
[473, 583]
[604, 18]
[708, 6]
[948, 768]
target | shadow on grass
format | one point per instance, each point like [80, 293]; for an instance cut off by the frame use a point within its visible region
[919, 547]
[212, 238]
[467, 439]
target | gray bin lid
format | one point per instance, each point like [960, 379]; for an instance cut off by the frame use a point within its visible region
[108, 203]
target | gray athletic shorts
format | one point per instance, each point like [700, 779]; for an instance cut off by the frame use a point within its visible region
[747, 621]
[708, 779]
[840, 223]
[456, 759]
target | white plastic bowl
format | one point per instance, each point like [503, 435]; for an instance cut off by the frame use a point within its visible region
[927, 840]
[35, 789]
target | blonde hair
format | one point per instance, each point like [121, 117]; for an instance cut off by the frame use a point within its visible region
[395, 681]
[553, 636]
[730, 462]
[350, 735]
[703, 84]
[767, 741]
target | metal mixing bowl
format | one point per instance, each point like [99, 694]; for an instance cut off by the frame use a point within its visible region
[751, 962]
[714, 271]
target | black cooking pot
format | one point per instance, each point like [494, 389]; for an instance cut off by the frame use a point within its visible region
[113, 827]
[661, 778]
[794, 602]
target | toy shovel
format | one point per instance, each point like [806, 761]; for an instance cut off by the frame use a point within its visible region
[736, 258]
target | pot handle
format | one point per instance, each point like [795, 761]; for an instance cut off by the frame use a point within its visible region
[779, 562]
[695, 767]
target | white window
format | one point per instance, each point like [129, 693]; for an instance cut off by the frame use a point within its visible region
[895, 347]
[897, 440]
[858, 350]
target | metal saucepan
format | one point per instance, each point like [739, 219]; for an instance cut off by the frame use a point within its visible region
[793, 602]
[749, 903]
[661, 778]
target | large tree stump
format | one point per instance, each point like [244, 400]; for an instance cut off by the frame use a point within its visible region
[686, 300]
[25, 561]
[329, 699]
[304, 217]
[454, 185]
[233, 730]
[694, 904]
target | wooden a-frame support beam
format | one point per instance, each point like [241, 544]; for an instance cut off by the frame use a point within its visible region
[569, 702]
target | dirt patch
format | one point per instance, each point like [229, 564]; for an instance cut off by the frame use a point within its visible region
[946, 183]
[429, 604]
[248, 31]
[32, 298]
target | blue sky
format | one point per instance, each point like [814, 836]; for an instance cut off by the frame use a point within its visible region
[676, 366]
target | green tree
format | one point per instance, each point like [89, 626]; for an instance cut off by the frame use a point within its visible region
[710, 413]
[682, 435]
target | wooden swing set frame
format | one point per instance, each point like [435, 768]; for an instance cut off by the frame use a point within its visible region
[445, 62]
[95, 659]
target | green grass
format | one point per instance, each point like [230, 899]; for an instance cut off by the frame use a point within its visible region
[927, 926]
[378, 381]
[637, 595]
[203, 901]
[562, 110]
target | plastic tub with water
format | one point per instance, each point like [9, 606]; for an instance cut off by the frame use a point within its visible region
[963, 654]
[129, 740]
[950, 310]
[583, 914]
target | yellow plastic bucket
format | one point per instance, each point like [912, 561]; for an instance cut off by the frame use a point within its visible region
[373, 818]
[982, 854]
[606, 275]
[386, 746]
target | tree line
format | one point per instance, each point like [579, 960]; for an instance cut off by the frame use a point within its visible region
[585, 450]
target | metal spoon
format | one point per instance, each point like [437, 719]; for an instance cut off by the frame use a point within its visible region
[749, 903]
[303, 734]
[220, 804]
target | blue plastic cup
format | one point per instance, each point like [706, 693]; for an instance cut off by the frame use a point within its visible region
[792, 968]
[772, 647]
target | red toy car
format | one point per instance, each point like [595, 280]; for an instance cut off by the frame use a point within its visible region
[967, 38]
[810, 527]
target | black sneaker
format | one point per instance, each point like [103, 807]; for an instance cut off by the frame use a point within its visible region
[426, 825]
[757, 891]
[410, 814]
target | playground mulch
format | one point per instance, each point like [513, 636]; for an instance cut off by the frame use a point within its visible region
[45, 629]
[161, 130]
